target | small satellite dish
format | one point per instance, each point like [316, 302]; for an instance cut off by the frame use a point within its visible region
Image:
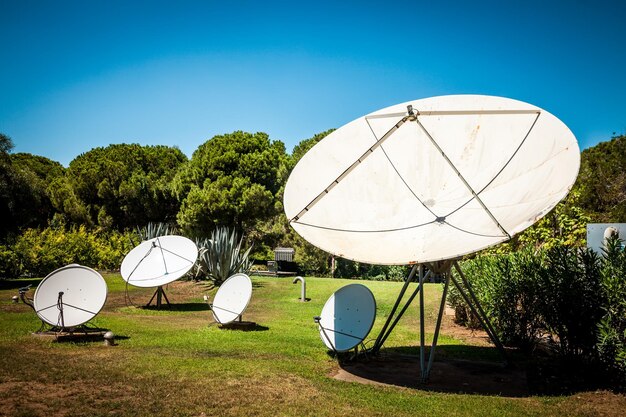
[347, 317]
[611, 232]
[232, 298]
[599, 233]
[159, 261]
[431, 179]
[70, 296]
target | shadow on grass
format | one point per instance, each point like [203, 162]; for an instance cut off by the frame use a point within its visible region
[177, 307]
[243, 326]
[475, 370]
[78, 336]
[456, 369]
[464, 352]
[87, 340]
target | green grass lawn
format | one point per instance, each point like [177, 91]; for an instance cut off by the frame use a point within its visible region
[179, 363]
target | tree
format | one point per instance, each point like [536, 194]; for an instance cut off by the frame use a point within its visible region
[231, 180]
[305, 145]
[602, 181]
[310, 259]
[119, 186]
[46, 169]
[24, 201]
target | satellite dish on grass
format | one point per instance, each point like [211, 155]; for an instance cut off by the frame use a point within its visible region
[347, 317]
[159, 261]
[431, 179]
[232, 298]
[70, 296]
[428, 181]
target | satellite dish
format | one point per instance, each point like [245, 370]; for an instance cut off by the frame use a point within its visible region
[232, 298]
[611, 232]
[70, 296]
[159, 261]
[431, 179]
[347, 317]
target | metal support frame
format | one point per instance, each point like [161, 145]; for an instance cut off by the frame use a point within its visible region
[213, 306]
[442, 305]
[445, 270]
[60, 307]
[386, 330]
[422, 332]
[478, 311]
[317, 320]
[159, 293]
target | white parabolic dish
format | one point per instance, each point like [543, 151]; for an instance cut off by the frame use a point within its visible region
[347, 317]
[232, 298]
[462, 174]
[159, 261]
[84, 294]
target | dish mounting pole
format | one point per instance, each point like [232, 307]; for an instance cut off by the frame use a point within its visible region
[444, 269]
[391, 322]
[159, 293]
[60, 307]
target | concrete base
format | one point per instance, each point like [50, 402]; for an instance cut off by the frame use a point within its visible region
[78, 335]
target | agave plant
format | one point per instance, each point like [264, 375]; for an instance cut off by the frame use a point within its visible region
[152, 230]
[222, 256]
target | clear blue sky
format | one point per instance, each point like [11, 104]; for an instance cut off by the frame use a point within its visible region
[76, 75]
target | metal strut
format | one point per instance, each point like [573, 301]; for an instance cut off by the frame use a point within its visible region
[408, 117]
[431, 356]
[386, 330]
[160, 292]
[318, 319]
[468, 296]
[478, 311]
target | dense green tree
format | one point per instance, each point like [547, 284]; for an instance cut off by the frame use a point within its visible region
[6, 146]
[310, 259]
[231, 180]
[602, 181]
[305, 145]
[119, 186]
[46, 169]
[24, 201]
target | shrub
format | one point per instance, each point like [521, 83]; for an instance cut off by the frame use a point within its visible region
[572, 296]
[37, 252]
[506, 286]
[572, 299]
[222, 256]
[612, 327]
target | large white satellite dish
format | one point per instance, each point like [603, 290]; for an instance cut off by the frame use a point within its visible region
[428, 181]
[70, 296]
[159, 261]
[232, 298]
[431, 179]
[347, 317]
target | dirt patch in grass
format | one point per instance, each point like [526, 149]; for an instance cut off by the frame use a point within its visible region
[177, 292]
[596, 403]
[475, 337]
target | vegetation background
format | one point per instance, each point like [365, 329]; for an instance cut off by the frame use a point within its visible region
[542, 289]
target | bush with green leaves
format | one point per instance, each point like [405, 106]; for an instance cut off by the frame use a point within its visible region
[221, 256]
[37, 252]
[506, 286]
[612, 327]
[573, 298]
